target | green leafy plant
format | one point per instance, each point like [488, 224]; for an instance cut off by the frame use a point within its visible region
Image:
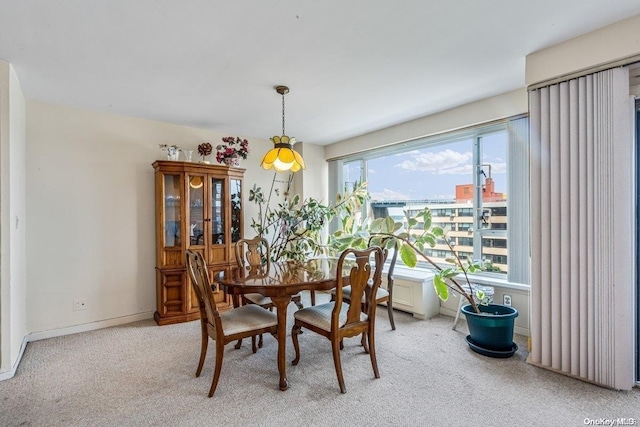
[412, 242]
[294, 227]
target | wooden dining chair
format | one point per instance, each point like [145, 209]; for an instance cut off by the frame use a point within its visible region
[253, 255]
[223, 328]
[383, 295]
[337, 320]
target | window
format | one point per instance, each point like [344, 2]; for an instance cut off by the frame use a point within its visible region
[460, 176]
[465, 241]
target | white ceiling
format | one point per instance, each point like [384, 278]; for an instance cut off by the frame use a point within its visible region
[353, 66]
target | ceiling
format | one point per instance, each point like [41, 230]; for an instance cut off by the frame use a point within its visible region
[352, 66]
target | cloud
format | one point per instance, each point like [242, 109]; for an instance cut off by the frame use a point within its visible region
[387, 194]
[498, 168]
[446, 162]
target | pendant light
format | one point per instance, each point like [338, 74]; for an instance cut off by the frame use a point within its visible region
[282, 157]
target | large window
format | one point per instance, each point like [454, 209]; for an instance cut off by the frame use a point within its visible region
[461, 177]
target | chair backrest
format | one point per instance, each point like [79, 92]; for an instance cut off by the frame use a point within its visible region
[253, 253]
[202, 286]
[364, 278]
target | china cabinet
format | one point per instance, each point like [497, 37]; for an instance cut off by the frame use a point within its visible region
[198, 207]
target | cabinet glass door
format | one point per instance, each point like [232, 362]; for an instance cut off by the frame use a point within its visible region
[196, 210]
[236, 210]
[172, 184]
[217, 211]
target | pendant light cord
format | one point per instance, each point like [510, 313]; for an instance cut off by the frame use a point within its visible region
[283, 115]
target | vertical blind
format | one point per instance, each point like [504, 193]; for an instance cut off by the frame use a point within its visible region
[582, 230]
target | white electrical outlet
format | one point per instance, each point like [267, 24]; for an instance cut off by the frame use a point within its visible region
[79, 304]
[506, 300]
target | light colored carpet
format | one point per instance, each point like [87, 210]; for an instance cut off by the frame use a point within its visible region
[143, 374]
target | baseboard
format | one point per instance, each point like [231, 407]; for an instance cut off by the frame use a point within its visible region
[92, 326]
[12, 372]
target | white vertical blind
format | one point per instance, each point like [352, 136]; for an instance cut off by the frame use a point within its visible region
[582, 229]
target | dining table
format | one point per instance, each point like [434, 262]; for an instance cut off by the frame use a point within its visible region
[280, 281]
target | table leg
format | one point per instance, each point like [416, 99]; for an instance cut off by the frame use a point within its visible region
[281, 304]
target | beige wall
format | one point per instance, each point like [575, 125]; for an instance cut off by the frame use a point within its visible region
[90, 210]
[12, 219]
[313, 181]
[608, 44]
[483, 111]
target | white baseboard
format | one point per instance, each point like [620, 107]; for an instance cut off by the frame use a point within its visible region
[12, 372]
[92, 326]
[36, 336]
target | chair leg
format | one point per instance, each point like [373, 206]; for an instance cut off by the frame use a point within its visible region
[238, 344]
[390, 312]
[254, 348]
[298, 302]
[294, 337]
[335, 347]
[218, 368]
[364, 342]
[312, 293]
[260, 342]
[203, 350]
[372, 350]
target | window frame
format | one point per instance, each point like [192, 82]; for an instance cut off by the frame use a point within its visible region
[516, 134]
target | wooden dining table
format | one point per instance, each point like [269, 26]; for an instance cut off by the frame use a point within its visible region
[279, 282]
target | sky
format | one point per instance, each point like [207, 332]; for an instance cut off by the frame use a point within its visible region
[433, 173]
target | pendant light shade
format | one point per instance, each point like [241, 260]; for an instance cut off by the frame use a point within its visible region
[282, 157]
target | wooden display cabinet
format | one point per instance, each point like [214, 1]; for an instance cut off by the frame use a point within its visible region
[198, 207]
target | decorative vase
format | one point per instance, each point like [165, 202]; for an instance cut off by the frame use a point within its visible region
[187, 155]
[231, 161]
[491, 331]
[173, 152]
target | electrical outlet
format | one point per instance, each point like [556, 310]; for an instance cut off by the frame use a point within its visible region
[79, 304]
[506, 300]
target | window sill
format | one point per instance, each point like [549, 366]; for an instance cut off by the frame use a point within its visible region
[424, 273]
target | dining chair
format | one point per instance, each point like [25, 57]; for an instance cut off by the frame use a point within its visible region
[253, 254]
[382, 295]
[223, 328]
[337, 320]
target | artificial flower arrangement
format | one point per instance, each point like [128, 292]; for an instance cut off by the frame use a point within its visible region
[204, 150]
[232, 149]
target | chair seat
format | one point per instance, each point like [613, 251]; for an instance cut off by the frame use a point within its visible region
[346, 293]
[320, 315]
[257, 299]
[247, 318]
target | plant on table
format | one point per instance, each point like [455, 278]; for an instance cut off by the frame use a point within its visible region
[294, 227]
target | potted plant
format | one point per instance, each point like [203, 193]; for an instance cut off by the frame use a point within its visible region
[490, 325]
[294, 227]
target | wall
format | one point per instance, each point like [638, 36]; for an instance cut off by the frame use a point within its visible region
[313, 181]
[90, 210]
[12, 225]
[483, 111]
[611, 43]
